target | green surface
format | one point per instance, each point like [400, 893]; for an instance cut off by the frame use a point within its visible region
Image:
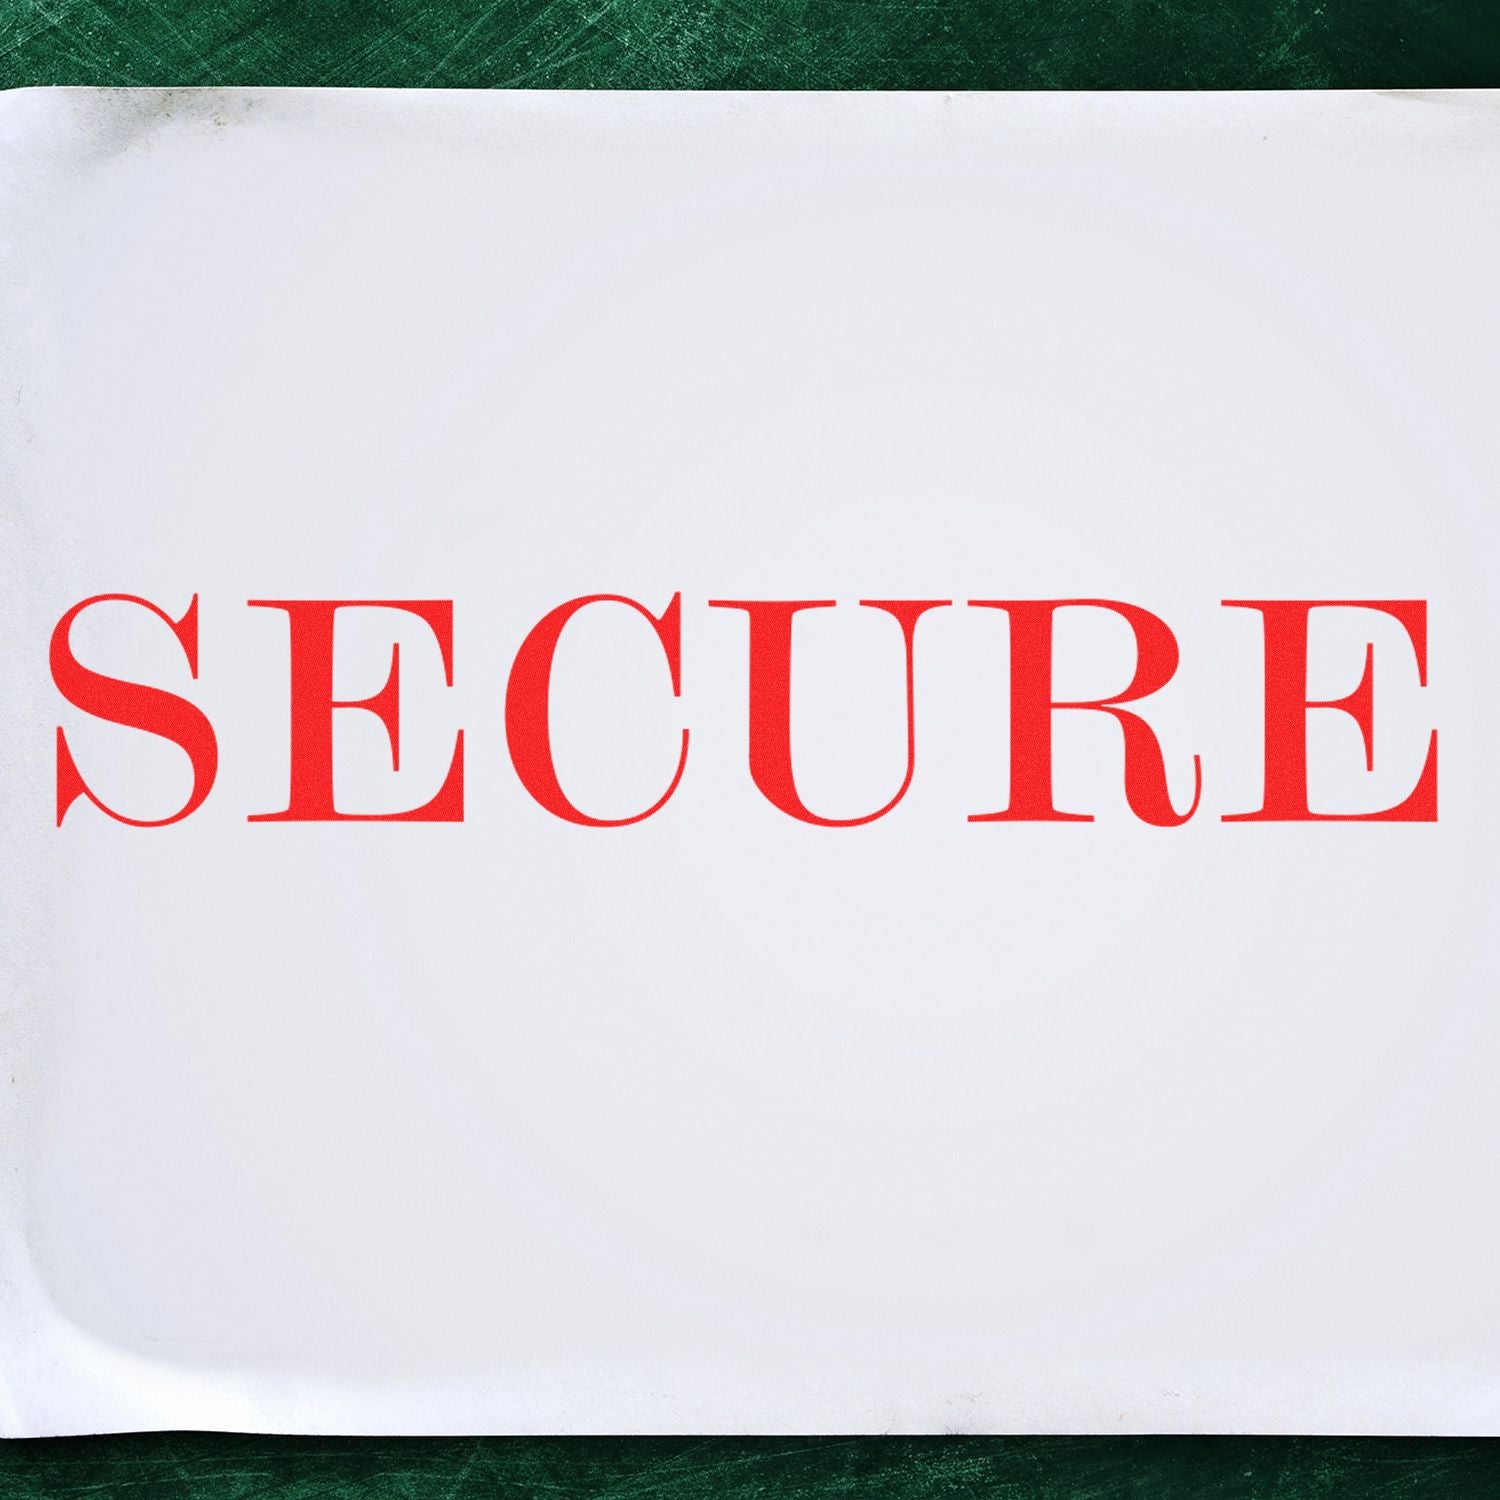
[760, 44]
[177, 1466]
[768, 44]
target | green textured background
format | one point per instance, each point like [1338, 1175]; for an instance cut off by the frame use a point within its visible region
[756, 44]
[761, 44]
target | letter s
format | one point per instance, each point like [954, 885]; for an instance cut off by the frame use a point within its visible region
[136, 706]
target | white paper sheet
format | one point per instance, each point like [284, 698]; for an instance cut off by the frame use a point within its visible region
[726, 1121]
